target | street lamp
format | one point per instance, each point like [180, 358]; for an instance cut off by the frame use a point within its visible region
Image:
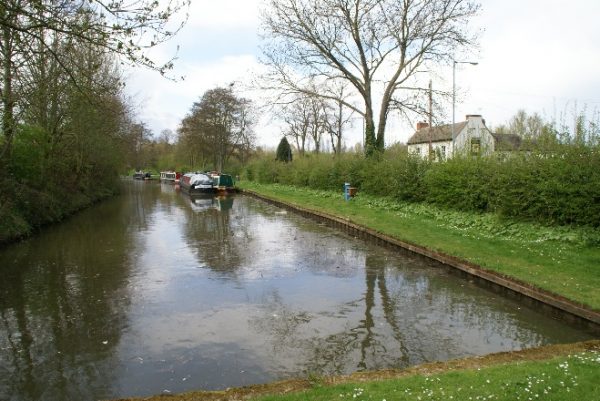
[454, 62]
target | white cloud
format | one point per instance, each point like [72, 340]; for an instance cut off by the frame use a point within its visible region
[540, 55]
[164, 103]
[224, 14]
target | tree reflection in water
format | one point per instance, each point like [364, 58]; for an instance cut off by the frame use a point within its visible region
[154, 287]
[209, 232]
[361, 341]
[410, 313]
[62, 305]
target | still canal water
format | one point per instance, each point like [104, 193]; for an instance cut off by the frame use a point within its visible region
[152, 292]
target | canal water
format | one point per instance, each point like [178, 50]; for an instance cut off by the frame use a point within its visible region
[154, 292]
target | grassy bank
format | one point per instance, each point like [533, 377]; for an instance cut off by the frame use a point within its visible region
[573, 377]
[562, 260]
[555, 372]
[24, 210]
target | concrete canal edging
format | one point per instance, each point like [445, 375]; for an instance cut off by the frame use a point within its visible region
[553, 304]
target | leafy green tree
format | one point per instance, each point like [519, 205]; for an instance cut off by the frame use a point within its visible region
[217, 127]
[527, 126]
[581, 128]
[45, 27]
[284, 151]
[65, 128]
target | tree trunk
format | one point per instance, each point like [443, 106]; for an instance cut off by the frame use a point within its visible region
[383, 115]
[370, 144]
[303, 145]
[8, 123]
[380, 140]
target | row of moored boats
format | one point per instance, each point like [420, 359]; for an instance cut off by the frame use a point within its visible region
[198, 183]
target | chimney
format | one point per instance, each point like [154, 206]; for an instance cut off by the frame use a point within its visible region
[470, 116]
[422, 124]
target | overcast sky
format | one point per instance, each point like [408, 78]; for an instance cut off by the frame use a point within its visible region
[539, 55]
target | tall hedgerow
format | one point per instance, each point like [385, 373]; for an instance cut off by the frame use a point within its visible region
[461, 183]
[561, 187]
[557, 187]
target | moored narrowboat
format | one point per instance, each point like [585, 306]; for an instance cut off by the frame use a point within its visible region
[170, 176]
[223, 183]
[197, 183]
[140, 175]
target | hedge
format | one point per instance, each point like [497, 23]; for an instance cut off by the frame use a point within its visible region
[560, 187]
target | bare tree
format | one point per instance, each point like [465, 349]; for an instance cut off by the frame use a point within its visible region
[296, 117]
[317, 120]
[218, 127]
[306, 119]
[336, 117]
[367, 43]
[166, 136]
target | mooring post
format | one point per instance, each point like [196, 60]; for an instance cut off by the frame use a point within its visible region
[347, 191]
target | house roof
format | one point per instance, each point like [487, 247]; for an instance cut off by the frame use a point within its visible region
[436, 134]
[506, 142]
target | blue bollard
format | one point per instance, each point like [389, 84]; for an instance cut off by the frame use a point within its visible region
[347, 191]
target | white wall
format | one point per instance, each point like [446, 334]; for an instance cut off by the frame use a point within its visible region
[422, 149]
[444, 149]
[475, 129]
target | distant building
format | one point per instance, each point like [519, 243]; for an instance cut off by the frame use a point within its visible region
[471, 137]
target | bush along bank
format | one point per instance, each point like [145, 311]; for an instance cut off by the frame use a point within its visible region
[561, 187]
[25, 208]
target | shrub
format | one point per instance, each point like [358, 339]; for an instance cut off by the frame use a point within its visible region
[284, 151]
[562, 187]
[460, 183]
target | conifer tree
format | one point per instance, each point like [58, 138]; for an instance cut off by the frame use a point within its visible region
[284, 151]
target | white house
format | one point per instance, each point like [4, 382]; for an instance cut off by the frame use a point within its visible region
[469, 137]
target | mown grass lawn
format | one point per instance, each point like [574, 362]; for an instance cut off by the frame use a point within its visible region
[562, 260]
[565, 378]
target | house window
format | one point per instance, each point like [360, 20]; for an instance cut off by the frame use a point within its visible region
[442, 152]
[418, 150]
[475, 146]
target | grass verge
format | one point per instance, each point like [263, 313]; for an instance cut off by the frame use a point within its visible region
[562, 260]
[565, 378]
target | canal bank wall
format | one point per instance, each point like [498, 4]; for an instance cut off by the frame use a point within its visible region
[551, 304]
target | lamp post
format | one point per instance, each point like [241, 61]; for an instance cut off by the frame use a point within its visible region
[454, 62]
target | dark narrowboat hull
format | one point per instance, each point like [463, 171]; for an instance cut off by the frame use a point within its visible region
[190, 189]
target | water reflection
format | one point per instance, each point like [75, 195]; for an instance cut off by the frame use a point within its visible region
[61, 306]
[156, 291]
[208, 233]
